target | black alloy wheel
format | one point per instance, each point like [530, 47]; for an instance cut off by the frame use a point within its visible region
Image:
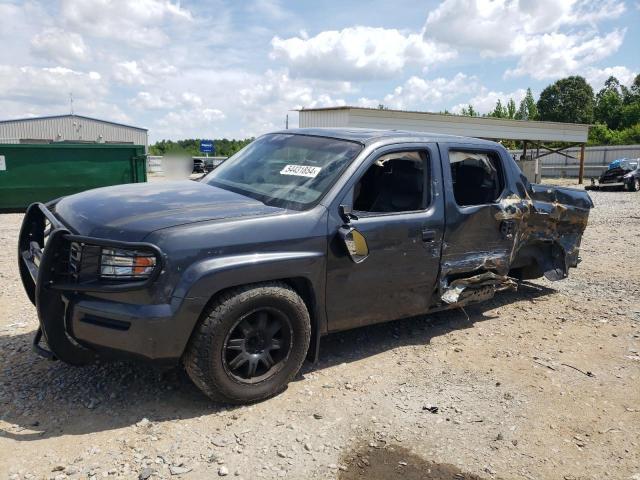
[257, 346]
[250, 343]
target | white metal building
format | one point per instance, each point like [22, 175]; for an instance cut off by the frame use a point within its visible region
[70, 128]
[533, 134]
[479, 127]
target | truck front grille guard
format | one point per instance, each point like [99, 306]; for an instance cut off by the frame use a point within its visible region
[50, 262]
[77, 257]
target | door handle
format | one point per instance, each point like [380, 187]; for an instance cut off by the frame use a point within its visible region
[428, 235]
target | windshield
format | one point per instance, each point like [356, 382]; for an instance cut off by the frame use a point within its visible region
[284, 170]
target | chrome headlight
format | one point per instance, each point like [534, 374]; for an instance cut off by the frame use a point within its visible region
[118, 263]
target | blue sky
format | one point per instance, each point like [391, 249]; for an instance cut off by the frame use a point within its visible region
[236, 68]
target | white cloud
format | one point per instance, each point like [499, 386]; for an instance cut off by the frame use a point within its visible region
[556, 55]
[189, 123]
[128, 73]
[48, 85]
[165, 100]
[276, 90]
[357, 53]
[424, 94]
[135, 22]
[254, 103]
[419, 93]
[367, 102]
[149, 101]
[133, 72]
[31, 91]
[597, 76]
[530, 30]
[486, 100]
[494, 26]
[191, 118]
[19, 24]
[60, 46]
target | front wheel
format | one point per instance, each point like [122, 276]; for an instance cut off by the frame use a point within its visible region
[250, 344]
[634, 185]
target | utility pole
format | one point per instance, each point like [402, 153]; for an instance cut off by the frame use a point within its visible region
[286, 123]
[581, 168]
[71, 102]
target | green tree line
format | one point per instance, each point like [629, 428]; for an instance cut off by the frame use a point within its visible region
[614, 111]
[191, 147]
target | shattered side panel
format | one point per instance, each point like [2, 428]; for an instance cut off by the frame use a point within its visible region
[532, 227]
[559, 215]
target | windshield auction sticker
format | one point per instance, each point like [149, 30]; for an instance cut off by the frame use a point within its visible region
[301, 171]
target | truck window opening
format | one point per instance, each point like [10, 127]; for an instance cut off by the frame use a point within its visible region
[476, 177]
[395, 182]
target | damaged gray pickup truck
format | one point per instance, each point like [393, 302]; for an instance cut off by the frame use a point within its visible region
[304, 232]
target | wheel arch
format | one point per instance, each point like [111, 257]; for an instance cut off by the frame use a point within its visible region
[540, 258]
[303, 285]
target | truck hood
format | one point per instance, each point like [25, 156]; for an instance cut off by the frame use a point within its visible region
[131, 212]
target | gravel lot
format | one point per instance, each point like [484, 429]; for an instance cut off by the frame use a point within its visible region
[541, 383]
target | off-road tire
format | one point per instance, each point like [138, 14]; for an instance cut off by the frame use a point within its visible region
[203, 359]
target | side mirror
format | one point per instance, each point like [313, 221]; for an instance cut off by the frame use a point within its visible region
[355, 242]
[346, 213]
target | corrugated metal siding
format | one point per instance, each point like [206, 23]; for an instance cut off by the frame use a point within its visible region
[596, 160]
[70, 128]
[465, 126]
[323, 118]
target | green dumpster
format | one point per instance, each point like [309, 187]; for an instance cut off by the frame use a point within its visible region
[39, 173]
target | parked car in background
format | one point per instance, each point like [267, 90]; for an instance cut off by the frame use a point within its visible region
[621, 173]
[213, 162]
[199, 165]
[303, 232]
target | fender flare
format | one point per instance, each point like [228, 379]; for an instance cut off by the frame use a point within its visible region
[206, 279]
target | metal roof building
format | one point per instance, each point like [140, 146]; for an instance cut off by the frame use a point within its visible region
[480, 127]
[533, 134]
[70, 128]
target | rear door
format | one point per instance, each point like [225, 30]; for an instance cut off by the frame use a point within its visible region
[480, 234]
[397, 198]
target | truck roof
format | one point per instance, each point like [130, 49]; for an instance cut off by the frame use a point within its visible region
[370, 135]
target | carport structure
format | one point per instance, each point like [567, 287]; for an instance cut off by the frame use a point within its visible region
[536, 136]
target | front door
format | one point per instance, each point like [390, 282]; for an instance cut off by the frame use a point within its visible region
[398, 207]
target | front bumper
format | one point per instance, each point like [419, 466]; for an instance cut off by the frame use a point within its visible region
[605, 185]
[77, 317]
[612, 185]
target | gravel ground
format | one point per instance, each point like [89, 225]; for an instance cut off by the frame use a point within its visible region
[541, 383]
